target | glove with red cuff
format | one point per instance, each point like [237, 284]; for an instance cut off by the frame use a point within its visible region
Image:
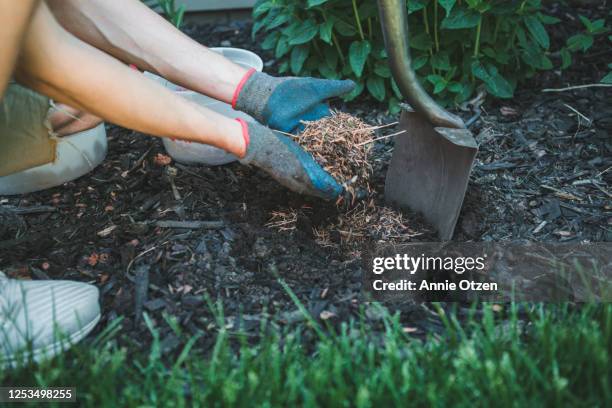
[286, 162]
[282, 103]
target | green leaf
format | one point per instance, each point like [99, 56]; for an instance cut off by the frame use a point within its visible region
[419, 62]
[394, 106]
[455, 87]
[313, 3]
[278, 21]
[345, 29]
[298, 56]
[283, 67]
[416, 5]
[282, 47]
[396, 90]
[438, 82]
[546, 19]
[262, 8]
[270, 41]
[599, 26]
[586, 22]
[331, 58]
[303, 32]
[481, 6]
[327, 72]
[566, 58]
[607, 79]
[580, 42]
[382, 69]
[447, 4]
[461, 18]
[358, 54]
[376, 87]
[421, 41]
[500, 56]
[496, 84]
[533, 56]
[263, 21]
[325, 31]
[177, 20]
[538, 31]
[441, 61]
[355, 92]
[466, 92]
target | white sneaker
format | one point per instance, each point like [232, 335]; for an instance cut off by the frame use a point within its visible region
[39, 319]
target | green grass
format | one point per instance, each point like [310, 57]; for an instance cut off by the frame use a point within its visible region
[555, 356]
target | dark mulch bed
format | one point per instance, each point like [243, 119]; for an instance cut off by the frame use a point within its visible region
[543, 173]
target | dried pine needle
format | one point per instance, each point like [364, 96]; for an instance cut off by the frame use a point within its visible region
[283, 220]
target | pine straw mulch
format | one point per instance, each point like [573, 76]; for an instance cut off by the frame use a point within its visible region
[342, 145]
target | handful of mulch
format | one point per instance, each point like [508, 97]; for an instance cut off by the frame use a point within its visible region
[342, 145]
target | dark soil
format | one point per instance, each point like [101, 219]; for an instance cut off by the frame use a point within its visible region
[542, 173]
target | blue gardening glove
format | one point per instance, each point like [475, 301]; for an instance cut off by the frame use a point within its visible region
[287, 162]
[281, 103]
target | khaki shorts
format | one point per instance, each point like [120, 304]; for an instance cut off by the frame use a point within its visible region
[26, 138]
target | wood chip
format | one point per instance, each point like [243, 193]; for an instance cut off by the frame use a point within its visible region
[190, 224]
[106, 231]
[326, 315]
[539, 227]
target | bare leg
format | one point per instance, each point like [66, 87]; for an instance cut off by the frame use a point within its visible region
[59, 65]
[133, 33]
[14, 18]
[66, 120]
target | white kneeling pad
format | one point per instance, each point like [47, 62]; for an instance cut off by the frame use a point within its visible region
[39, 319]
[77, 154]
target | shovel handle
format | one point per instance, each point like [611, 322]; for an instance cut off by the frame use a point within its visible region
[394, 22]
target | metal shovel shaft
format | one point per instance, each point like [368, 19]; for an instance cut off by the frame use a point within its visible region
[394, 21]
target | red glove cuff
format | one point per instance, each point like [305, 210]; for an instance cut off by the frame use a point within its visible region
[245, 133]
[240, 85]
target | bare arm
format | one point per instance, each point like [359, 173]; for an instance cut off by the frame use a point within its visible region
[133, 33]
[61, 66]
[14, 20]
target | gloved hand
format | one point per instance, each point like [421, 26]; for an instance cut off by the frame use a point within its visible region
[286, 162]
[281, 103]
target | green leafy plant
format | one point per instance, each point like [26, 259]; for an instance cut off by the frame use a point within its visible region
[582, 41]
[607, 79]
[173, 13]
[457, 46]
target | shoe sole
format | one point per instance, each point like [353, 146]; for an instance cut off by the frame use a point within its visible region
[53, 349]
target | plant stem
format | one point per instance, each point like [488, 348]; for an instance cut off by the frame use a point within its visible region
[370, 28]
[437, 42]
[426, 23]
[477, 42]
[338, 50]
[358, 20]
[496, 32]
[335, 41]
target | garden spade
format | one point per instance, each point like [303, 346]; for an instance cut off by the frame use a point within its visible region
[433, 157]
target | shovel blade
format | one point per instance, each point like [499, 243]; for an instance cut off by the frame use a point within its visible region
[429, 171]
